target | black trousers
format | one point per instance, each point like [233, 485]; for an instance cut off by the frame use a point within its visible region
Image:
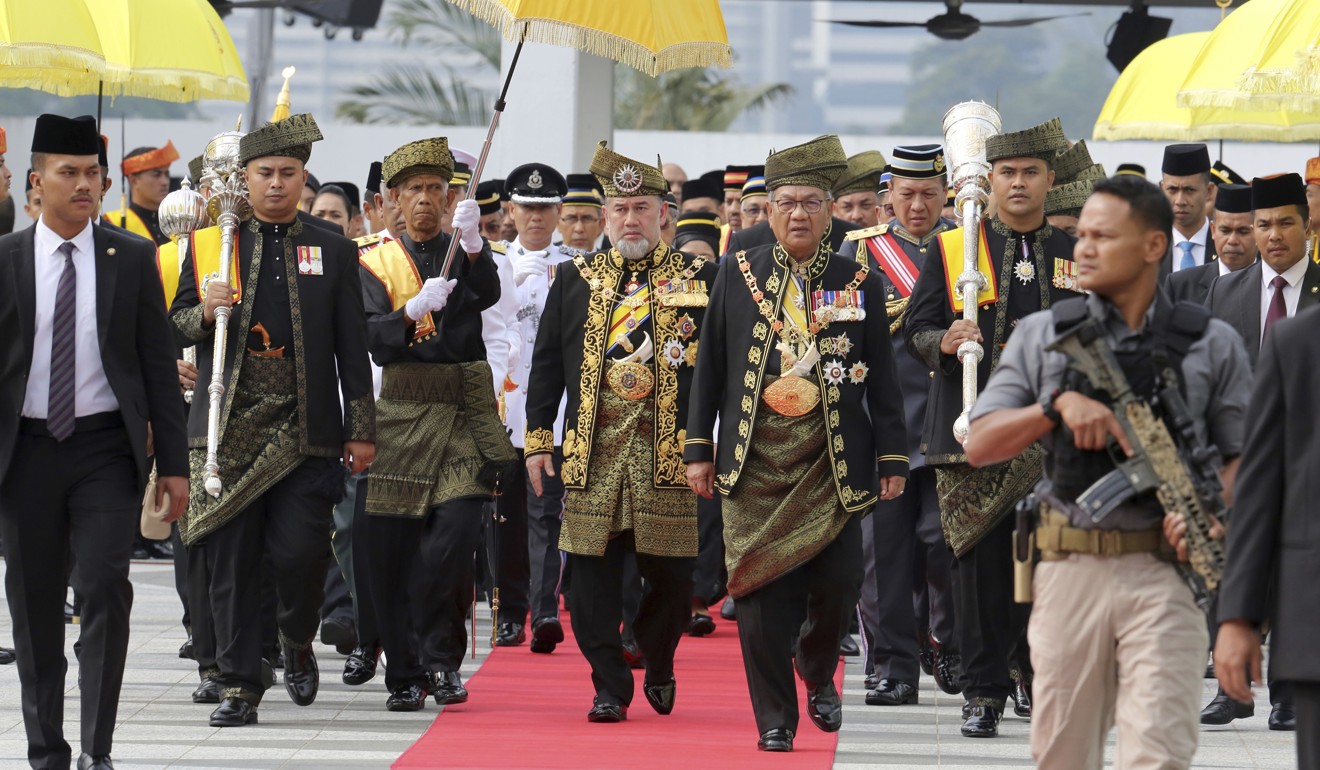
[181, 575]
[545, 515]
[598, 611]
[1307, 697]
[710, 576]
[506, 535]
[340, 581]
[421, 586]
[991, 627]
[364, 608]
[824, 590]
[290, 524]
[199, 600]
[80, 494]
[903, 528]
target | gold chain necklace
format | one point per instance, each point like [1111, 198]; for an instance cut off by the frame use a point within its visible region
[789, 334]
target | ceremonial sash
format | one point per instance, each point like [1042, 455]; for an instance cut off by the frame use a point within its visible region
[951, 254]
[167, 262]
[132, 222]
[625, 318]
[205, 248]
[397, 272]
[726, 232]
[893, 261]
[796, 315]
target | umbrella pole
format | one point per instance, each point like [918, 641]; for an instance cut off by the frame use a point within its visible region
[485, 151]
[100, 96]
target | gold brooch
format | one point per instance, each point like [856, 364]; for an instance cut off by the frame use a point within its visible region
[791, 396]
[630, 381]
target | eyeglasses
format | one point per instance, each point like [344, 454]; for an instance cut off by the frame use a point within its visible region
[788, 206]
[587, 219]
[753, 211]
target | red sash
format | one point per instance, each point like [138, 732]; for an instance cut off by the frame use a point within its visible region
[893, 261]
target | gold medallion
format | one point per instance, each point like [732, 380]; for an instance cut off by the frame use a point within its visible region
[791, 396]
[630, 381]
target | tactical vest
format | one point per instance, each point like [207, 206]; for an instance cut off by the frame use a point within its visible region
[1155, 364]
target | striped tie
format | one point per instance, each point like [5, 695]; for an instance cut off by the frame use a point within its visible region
[59, 410]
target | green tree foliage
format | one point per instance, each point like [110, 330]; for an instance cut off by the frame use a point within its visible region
[687, 100]
[1030, 75]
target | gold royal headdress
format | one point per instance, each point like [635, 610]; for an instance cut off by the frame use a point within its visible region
[1071, 162]
[817, 163]
[1068, 199]
[291, 137]
[1043, 141]
[623, 177]
[862, 175]
[424, 156]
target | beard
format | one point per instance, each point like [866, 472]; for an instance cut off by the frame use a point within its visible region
[633, 249]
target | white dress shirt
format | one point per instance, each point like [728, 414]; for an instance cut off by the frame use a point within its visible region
[531, 296]
[1198, 239]
[1292, 291]
[499, 326]
[92, 393]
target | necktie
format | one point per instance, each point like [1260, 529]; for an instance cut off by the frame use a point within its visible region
[1278, 309]
[1187, 259]
[59, 409]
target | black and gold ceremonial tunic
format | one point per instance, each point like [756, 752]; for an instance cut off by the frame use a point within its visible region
[440, 434]
[296, 331]
[1030, 272]
[621, 336]
[791, 478]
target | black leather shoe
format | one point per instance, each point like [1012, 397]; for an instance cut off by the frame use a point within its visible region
[410, 698]
[302, 677]
[339, 633]
[982, 722]
[7, 656]
[607, 712]
[825, 707]
[926, 653]
[207, 692]
[633, 655]
[660, 696]
[448, 688]
[728, 611]
[966, 710]
[89, 762]
[947, 670]
[1022, 698]
[872, 681]
[510, 635]
[1282, 717]
[267, 675]
[546, 634]
[700, 625]
[1222, 709]
[848, 647]
[892, 692]
[360, 667]
[186, 649]
[777, 739]
[234, 712]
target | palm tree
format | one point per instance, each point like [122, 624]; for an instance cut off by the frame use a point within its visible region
[419, 93]
[687, 100]
[437, 91]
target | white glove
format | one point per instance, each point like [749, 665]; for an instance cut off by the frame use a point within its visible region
[432, 298]
[467, 221]
[529, 264]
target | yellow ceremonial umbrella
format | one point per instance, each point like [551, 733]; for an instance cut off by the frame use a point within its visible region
[1213, 79]
[1143, 104]
[50, 45]
[173, 50]
[1286, 68]
[653, 36]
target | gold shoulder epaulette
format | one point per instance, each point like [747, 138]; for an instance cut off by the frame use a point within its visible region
[499, 247]
[367, 240]
[857, 235]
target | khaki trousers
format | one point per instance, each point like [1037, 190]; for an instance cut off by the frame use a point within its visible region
[1115, 641]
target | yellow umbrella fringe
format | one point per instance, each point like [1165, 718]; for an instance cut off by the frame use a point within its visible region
[189, 88]
[47, 56]
[597, 42]
[1162, 132]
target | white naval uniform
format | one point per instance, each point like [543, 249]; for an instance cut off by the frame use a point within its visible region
[531, 304]
[499, 326]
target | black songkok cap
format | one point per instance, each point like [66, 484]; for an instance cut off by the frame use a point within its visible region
[313, 183]
[1186, 160]
[59, 135]
[1233, 199]
[373, 178]
[701, 188]
[351, 190]
[103, 151]
[488, 196]
[1270, 192]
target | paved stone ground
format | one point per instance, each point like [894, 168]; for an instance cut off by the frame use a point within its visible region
[348, 727]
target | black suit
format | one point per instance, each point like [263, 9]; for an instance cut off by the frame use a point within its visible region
[761, 235]
[1192, 285]
[1172, 255]
[84, 493]
[1273, 541]
[1235, 298]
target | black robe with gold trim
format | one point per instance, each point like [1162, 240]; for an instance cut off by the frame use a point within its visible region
[864, 416]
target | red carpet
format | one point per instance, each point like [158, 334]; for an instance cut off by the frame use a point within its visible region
[530, 711]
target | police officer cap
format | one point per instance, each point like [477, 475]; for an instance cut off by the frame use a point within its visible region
[535, 184]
